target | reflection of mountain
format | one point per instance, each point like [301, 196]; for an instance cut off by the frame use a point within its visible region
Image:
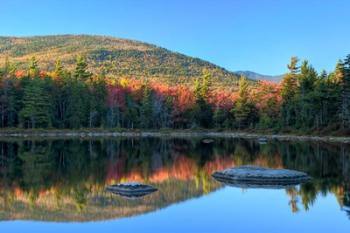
[89, 203]
[64, 180]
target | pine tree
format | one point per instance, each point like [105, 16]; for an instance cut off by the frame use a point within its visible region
[304, 96]
[146, 108]
[219, 117]
[289, 91]
[244, 110]
[8, 103]
[345, 95]
[98, 99]
[81, 72]
[35, 111]
[77, 111]
[202, 111]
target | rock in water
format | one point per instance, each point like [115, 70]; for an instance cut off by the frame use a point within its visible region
[131, 189]
[259, 177]
[262, 140]
[208, 140]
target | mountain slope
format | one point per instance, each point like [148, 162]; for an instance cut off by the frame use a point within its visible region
[256, 76]
[119, 57]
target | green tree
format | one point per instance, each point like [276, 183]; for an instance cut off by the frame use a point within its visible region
[325, 101]
[289, 91]
[202, 112]
[244, 110]
[345, 94]
[146, 110]
[220, 118]
[8, 94]
[35, 112]
[81, 73]
[304, 96]
[98, 100]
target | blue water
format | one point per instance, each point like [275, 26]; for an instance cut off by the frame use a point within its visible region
[34, 174]
[226, 210]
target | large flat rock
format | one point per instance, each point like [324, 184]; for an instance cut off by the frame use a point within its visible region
[259, 177]
[131, 189]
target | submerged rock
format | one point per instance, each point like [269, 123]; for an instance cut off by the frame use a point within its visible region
[208, 140]
[259, 177]
[131, 189]
[262, 140]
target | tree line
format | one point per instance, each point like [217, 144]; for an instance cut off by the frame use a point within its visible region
[304, 100]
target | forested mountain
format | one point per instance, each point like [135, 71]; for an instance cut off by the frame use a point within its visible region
[256, 76]
[116, 57]
[85, 93]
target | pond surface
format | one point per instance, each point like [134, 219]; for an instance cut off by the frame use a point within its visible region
[59, 186]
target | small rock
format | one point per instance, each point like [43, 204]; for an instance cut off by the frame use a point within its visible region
[262, 140]
[208, 140]
[131, 189]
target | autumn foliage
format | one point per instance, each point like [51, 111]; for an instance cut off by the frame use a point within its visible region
[34, 98]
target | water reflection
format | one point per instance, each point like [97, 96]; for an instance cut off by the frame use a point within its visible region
[65, 180]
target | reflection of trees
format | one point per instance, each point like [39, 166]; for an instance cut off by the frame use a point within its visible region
[80, 197]
[37, 166]
[293, 194]
[347, 206]
[308, 194]
[64, 174]
[54, 176]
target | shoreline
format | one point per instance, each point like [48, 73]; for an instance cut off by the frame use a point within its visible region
[97, 133]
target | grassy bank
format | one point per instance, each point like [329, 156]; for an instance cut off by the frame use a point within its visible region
[199, 133]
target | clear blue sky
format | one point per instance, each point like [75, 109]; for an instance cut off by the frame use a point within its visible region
[257, 35]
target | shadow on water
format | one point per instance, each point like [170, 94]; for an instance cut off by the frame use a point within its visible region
[65, 180]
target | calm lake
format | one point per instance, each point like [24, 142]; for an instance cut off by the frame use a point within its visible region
[59, 186]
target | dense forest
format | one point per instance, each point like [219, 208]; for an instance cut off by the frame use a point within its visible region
[304, 100]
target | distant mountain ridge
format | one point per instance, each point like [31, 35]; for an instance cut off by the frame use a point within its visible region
[117, 57]
[256, 76]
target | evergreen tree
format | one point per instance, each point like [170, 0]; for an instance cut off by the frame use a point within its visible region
[304, 97]
[81, 72]
[98, 99]
[289, 91]
[77, 111]
[219, 117]
[60, 96]
[146, 108]
[244, 110]
[8, 103]
[35, 111]
[202, 112]
[325, 99]
[345, 95]
[131, 117]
